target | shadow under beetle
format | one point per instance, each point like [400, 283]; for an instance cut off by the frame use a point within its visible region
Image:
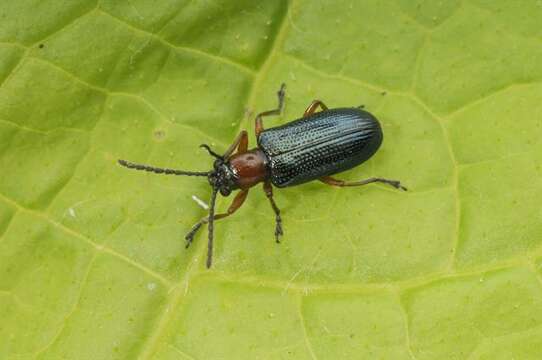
[313, 147]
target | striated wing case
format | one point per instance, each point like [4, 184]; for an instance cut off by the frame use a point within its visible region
[324, 143]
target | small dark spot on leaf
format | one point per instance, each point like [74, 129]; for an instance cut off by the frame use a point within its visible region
[159, 134]
[383, 93]
[41, 46]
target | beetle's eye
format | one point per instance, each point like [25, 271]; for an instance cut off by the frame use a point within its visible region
[225, 191]
[217, 164]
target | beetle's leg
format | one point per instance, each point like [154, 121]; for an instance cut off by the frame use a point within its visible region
[313, 106]
[335, 182]
[277, 111]
[236, 204]
[268, 189]
[240, 143]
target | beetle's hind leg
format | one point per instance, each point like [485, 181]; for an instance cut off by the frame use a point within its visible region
[259, 122]
[268, 189]
[335, 182]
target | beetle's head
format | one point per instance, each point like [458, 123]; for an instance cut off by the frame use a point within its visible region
[221, 178]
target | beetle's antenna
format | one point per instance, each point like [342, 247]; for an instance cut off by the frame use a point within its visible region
[131, 165]
[211, 152]
[211, 228]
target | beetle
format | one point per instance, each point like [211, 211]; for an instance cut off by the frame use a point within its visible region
[313, 147]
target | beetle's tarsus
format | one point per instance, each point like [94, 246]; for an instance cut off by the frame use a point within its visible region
[268, 190]
[258, 126]
[282, 91]
[189, 240]
[397, 184]
[278, 230]
[190, 236]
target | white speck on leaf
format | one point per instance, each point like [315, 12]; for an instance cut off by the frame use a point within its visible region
[200, 202]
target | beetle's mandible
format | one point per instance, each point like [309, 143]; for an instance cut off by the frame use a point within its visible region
[314, 147]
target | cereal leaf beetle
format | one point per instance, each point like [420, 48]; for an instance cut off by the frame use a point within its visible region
[314, 147]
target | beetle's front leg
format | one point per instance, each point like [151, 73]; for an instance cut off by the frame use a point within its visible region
[336, 182]
[236, 204]
[240, 143]
[268, 189]
[259, 123]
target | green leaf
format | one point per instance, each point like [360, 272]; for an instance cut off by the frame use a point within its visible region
[92, 258]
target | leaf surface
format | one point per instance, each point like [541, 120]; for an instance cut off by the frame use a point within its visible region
[92, 258]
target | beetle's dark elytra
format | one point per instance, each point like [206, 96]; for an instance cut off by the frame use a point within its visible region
[314, 147]
[321, 144]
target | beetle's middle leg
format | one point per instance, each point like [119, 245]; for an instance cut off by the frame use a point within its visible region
[236, 204]
[313, 106]
[268, 189]
[336, 182]
[277, 111]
